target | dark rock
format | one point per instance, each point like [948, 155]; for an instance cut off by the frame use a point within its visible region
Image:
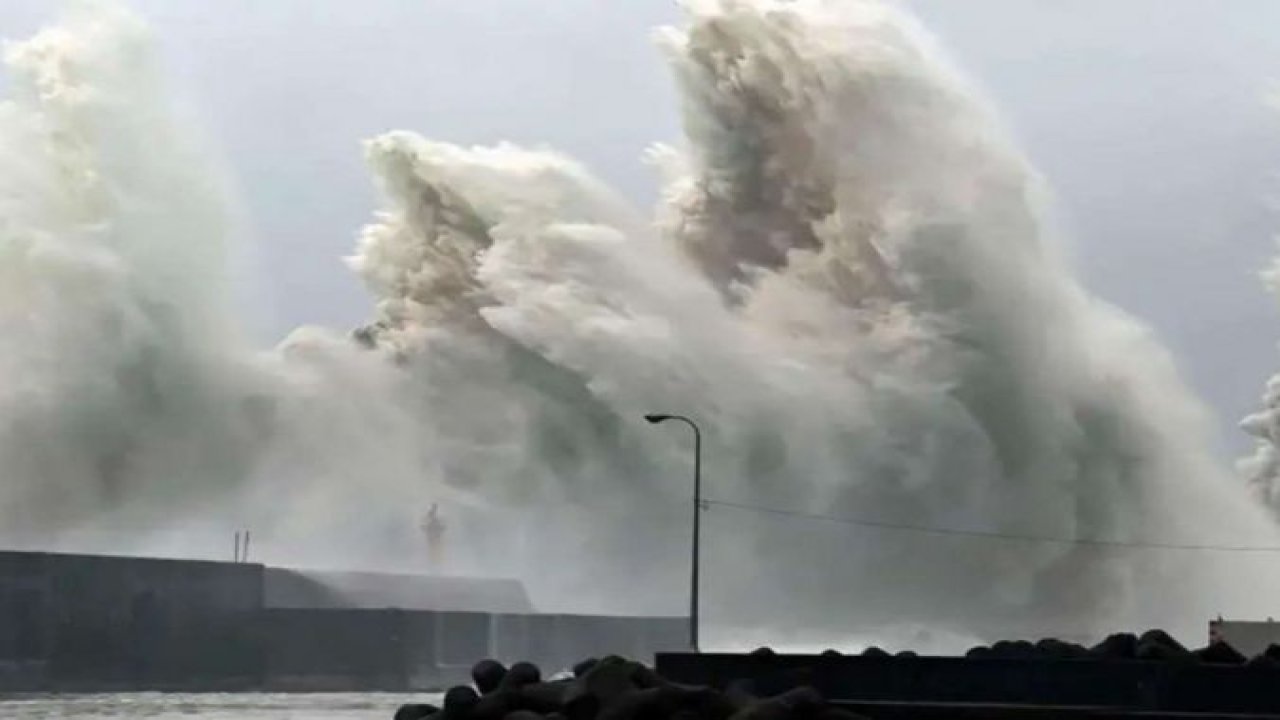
[459, 701]
[800, 703]
[1014, 650]
[1160, 637]
[907, 654]
[602, 685]
[1159, 645]
[580, 704]
[1263, 663]
[496, 705]
[1055, 648]
[1002, 650]
[539, 698]
[656, 702]
[708, 704]
[544, 697]
[763, 710]
[614, 688]
[741, 692]
[1120, 646]
[1220, 653]
[646, 677]
[805, 697]
[619, 689]
[519, 675]
[416, 711]
[488, 675]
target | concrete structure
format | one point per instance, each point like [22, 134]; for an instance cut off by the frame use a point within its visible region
[1250, 637]
[84, 623]
[397, 650]
[290, 588]
[949, 687]
[108, 622]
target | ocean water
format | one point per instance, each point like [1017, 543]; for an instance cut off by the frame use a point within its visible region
[210, 706]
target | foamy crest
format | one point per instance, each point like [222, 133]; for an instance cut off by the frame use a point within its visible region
[113, 326]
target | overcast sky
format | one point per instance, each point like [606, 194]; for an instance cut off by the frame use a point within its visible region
[1148, 117]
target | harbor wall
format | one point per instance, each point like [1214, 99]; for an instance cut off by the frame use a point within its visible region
[388, 650]
[107, 622]
[89, 623]
[1159, 688]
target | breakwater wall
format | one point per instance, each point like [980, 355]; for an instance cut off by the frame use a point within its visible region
[99, 623]
[882, 685]
[769, 687]
[404, 650]
[93, 623]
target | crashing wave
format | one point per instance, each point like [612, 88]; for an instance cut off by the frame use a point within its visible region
[849, 284]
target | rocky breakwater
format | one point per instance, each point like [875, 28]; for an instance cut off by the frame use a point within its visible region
[1127, 673]
[612, 689]
[1153, 645]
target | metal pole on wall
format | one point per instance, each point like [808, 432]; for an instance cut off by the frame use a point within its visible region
[697, 519]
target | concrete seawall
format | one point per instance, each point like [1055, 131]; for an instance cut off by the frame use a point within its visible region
[401, 650]
[105, 622]
[88, 623]
[1161, 688]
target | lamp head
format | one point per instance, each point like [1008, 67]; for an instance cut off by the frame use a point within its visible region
[656, 418]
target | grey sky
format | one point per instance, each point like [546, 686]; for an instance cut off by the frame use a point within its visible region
[1147, 117]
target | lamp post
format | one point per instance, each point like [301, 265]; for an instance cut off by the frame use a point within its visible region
[697, 517]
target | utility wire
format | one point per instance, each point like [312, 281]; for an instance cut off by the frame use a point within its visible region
[926, 530]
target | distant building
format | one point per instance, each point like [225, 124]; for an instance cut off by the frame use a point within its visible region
[1249, 637]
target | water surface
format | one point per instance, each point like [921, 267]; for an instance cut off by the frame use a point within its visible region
[209, 706]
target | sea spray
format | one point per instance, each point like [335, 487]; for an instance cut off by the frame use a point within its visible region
[849, 286]
[1261, 468]
[854, 290]
[116, 350]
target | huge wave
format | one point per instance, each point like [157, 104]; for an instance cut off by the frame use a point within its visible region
[849, 284]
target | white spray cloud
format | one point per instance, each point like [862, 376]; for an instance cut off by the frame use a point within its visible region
[850, 286]
[1262, 468]
[112, 316]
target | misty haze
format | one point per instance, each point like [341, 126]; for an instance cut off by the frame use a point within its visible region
[363, 306]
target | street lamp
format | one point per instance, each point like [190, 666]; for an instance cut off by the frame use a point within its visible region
[697, 507]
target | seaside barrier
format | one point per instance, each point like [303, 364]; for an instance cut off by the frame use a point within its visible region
[1210, 685]
[93, 623]
[1177, 682]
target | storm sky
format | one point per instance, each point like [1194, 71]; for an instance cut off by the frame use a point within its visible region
[1152, 121]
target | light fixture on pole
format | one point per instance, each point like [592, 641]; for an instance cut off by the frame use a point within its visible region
[697, 517]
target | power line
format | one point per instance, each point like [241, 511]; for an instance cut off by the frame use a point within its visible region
[991, 535]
